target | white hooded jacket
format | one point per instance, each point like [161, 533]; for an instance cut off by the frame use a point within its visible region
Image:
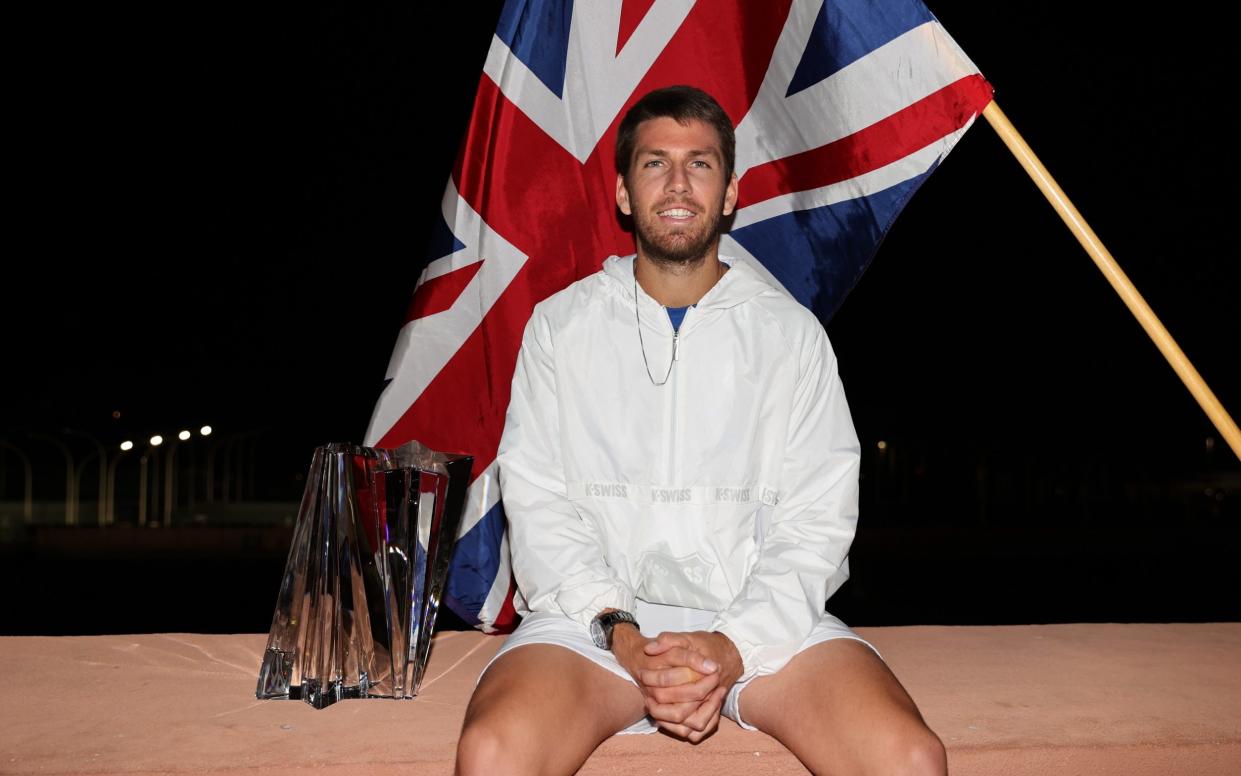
[732, 488]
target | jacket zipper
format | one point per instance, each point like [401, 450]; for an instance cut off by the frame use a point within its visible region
[678, 415]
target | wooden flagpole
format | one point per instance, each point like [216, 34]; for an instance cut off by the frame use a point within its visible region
[1120, 282]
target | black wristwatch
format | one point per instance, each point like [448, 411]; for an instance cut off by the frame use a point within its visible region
[601, 627]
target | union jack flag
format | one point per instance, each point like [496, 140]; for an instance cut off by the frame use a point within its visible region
[842, 109]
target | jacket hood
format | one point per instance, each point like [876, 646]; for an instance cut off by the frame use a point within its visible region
[741, 283]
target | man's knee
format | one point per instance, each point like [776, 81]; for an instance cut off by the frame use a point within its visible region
[917, 752]
[490, 744]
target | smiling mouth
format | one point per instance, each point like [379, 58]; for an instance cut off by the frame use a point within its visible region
[678, 213]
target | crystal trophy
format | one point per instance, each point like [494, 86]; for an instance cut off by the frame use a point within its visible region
[365, 574]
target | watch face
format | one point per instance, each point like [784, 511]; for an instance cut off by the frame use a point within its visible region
[597, 635]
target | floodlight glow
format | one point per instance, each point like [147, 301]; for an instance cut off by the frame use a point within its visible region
[126, 446]
[205, 430]
[157, 440]
[184, 435]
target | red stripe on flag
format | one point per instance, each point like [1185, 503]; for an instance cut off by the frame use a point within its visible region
[723, 49]
[882, 143]
[507, 617]
[632, 14]
[438, 294]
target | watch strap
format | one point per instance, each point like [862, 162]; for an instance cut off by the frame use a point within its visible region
[609, 620]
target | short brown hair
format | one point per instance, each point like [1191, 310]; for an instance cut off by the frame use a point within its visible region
[682, 104]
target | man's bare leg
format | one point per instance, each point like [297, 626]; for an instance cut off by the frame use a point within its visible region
[839, 709]
[542, 709]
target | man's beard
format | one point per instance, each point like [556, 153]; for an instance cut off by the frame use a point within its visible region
[678, 248]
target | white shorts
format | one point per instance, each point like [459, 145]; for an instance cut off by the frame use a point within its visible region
[550, 628]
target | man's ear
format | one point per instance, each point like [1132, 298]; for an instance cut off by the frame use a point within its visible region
[622, 195]
[730, 196]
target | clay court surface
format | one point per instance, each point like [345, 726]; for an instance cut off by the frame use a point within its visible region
[1032, 699]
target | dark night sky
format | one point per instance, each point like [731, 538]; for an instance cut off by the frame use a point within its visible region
[224, 212]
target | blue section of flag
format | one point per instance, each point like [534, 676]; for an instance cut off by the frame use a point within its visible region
[820, 253]
[475, 563]
[443, 242]
[537, 32]
[846, 31]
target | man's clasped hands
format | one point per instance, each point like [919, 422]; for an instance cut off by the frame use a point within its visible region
[684, 677]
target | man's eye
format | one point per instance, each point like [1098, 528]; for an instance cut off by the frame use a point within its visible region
[653, 163]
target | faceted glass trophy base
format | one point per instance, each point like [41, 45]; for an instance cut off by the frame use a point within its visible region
[365, 574]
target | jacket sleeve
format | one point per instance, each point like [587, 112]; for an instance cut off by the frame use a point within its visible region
[802, 557]
[558, 560]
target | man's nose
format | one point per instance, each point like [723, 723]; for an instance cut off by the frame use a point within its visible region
[678, 180]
